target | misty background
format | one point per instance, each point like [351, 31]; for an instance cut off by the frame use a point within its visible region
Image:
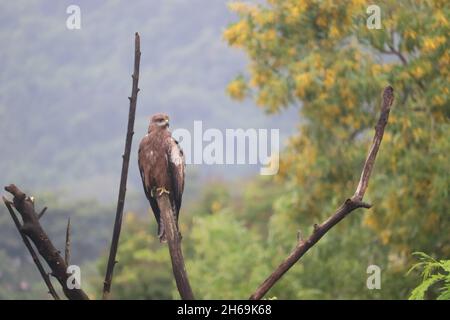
[63, 95]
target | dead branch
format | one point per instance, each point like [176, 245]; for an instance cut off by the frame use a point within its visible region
[125, 164]
[33, 254]
[348, 206]
[32, 229]
[67, 249]
[176, 254]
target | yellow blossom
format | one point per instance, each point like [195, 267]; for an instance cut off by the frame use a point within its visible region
[322, 21]
[438, 100]
[264, 17]
[302, 81]
[411, 34]
[263, 98]
[376, 69]
[431, 44]
[295, 9]
[334, 32]
[333, 110]
[258, 78]
[418, 72]
[240, 7]
[441, 18]
[330, 78]
[237, 33]
[237, 89]
[270, 35]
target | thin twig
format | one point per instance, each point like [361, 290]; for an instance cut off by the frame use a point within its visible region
[67, 249]
[349, 205]
[33, 254]
[398, 54]
[403, 60]
[123, 178]
[42, 212]
[176, 254]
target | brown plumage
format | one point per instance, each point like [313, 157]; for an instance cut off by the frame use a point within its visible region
[161, 164]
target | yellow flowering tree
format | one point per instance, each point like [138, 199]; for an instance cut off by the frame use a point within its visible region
[321, 56]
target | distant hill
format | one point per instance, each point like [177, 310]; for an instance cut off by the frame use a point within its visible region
[63, 93]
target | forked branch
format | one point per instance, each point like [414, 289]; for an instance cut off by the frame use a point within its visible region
[348, 206]
[32, 229]
[30, 248]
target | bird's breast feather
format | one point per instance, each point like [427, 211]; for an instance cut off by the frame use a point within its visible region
[176, 156]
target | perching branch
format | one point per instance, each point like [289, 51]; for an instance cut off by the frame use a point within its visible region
[32, 229]
[125, 164]
[348, 206]
[174, 241]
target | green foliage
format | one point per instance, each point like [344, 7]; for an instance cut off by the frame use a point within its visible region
[213, 199]
[434, 272]
[226, 261]
[19, 279]
[229, 251]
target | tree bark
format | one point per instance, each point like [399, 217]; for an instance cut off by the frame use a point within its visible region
[174, 240]
[123, 178]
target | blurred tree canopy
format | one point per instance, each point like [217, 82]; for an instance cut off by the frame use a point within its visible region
[144, 269]
[322, 55]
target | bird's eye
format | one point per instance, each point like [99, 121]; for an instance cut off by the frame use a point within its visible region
[161, 122]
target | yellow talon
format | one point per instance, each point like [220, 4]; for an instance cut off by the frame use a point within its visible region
[161, 191]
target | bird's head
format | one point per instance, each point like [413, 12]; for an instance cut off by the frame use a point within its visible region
[159, 121]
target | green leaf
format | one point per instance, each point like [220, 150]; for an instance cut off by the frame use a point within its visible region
[419, 292]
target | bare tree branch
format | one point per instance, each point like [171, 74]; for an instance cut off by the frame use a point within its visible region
[388, 99]
[32, 228]
[397, 53]
[348, 206]
[33, 254]
[176, 254]
[123, 179]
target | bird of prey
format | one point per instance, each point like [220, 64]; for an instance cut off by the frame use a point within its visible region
[161, 164]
